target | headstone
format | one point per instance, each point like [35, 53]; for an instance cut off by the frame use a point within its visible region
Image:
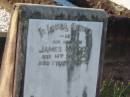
[59, 51]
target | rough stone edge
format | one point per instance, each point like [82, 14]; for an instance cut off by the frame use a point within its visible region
[40, 5]
[8, 61]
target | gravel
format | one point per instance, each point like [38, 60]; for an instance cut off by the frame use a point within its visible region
[4, 20]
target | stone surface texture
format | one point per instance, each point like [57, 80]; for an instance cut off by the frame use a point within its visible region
[28, 12]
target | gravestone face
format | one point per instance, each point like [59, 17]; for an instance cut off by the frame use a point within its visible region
[59, 51]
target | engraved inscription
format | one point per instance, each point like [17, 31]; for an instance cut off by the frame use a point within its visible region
[70, 38]
[62, 58]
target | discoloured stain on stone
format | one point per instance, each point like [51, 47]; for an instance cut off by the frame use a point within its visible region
[84, 92]
[77, 55]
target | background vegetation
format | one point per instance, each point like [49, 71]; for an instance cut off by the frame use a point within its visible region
[115, 89]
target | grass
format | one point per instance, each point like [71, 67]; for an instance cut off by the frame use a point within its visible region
[115, 89]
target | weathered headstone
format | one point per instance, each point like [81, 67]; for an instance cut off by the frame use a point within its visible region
[59, 51]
